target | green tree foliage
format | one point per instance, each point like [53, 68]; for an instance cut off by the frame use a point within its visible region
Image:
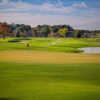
[18, 34]
[62, 32]
[40, 30]
[79, 33]
[55, 29]
[34, 32]
[45, 30]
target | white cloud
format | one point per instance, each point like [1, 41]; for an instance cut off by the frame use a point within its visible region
[82, 5]
[46, 7]
[76, 22]
[22, 13]
[58, 8]
[4, 2]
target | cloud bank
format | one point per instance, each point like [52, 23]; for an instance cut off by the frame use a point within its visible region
[48, 13]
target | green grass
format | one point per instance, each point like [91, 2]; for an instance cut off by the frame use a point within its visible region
[50, 81]
[46, 44]
[20, 81]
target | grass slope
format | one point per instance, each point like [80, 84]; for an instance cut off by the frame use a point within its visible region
[47, 44]
[49, 81]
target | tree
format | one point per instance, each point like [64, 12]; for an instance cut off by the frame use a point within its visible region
[62, 32]
[18, 34]
[79, 33]
[1, 31]
[55, 29]
[45, 30]
[5, 30]
[27, 28]
[34, 32]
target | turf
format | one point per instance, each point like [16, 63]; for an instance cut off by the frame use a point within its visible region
[41, 75]
[49, 81]
[26, 56]
[68, 45]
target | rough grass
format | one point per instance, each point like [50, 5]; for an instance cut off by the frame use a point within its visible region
[50, 81]
[68, 45]
[47, 57]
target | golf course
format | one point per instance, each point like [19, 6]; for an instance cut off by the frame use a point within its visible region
[49, 69]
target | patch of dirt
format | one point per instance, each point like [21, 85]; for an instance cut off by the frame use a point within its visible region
[47, 57]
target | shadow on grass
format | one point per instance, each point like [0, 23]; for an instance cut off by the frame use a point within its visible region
[7, 99]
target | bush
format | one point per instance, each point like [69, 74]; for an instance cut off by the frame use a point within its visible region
[15, 40]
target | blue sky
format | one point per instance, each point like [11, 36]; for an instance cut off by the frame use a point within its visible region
[82, 14]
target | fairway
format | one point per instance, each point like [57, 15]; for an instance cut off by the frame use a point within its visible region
[65, 45]
[49, 72]
[47, 57]
[49, 49]
[19, 81]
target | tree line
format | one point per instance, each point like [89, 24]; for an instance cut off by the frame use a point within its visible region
[22, 30]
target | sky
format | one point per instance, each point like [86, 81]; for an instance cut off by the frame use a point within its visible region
[80, 14]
